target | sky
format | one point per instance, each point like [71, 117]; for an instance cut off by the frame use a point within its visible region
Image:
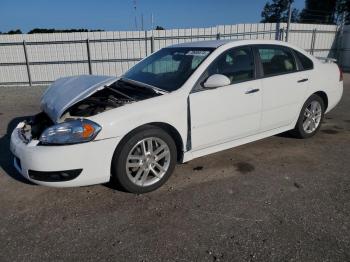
[120, 14]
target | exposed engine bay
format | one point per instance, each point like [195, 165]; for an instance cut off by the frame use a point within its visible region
[106, 98]
[113, 96]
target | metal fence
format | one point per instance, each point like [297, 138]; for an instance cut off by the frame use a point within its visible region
[42, 58]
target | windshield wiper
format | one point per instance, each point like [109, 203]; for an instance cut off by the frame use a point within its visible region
[137, 83]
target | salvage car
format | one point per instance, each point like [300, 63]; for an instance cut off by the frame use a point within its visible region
[182, 102]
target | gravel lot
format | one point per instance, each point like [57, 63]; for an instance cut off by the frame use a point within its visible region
[278, 199]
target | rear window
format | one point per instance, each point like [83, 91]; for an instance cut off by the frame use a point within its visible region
[276, 60]
[305, 62]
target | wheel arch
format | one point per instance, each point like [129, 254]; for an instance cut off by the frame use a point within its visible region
[324, 97]
[171, 130]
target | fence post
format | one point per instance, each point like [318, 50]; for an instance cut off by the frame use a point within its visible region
[152, 43]
[218, 36]
[27, 63]
[277, 33]
[89, 55]
[146, 43]
[281, 34]
[313, 41]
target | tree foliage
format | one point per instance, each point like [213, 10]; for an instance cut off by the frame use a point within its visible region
[158, 27]
[12, 32]
[314, 12]
[319, 12]
[277, 11]
[343, 7]
[49, 30]
[52, 30]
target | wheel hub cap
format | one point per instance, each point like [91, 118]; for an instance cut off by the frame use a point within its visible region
[148, 161]
[312, 117]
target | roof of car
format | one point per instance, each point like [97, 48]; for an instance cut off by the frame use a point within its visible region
[218, 43]
[205, 44]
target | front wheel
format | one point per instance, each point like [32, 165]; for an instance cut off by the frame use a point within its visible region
[145, 161]
[310, 118]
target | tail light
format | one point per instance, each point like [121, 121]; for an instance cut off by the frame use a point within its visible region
[341, 77]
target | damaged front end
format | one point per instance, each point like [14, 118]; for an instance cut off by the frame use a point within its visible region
[68, 101]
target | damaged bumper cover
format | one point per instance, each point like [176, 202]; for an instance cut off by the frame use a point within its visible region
[58, 166]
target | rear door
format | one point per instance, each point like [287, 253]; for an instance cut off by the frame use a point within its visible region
[283, 86]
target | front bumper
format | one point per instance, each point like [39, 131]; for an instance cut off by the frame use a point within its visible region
[94, 158]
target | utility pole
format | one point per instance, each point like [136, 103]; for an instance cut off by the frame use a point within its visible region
[152, 21]
[141, 21]
[289, 18]
[134, 3]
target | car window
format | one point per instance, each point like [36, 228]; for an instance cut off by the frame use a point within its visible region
[164, 65]
[305, 62]
[168, 68]
[276, 60]
[196, 60]
[237, 64]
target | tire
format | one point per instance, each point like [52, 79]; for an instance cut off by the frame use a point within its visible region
[136, 165]
[315, 118]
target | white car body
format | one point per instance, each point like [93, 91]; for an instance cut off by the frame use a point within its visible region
[206, 122]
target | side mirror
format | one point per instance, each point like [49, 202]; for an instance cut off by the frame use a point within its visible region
[216, 80]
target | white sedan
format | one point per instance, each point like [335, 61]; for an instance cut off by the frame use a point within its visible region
[182, 102]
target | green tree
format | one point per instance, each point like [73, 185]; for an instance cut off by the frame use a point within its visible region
[277, 11]
[319, 12]
[14, 32]
[158, 27]
[52, 30]
[343, 7]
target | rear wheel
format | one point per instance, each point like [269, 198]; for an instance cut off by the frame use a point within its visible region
[145, 161]
[310, 118]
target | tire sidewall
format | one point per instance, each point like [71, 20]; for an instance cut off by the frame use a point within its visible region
[120, 157]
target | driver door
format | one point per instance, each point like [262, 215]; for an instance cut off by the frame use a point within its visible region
[229, 112]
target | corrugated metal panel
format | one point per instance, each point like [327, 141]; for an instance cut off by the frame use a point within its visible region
[51, 56]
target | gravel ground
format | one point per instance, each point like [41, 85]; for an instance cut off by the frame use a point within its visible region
[278, 199]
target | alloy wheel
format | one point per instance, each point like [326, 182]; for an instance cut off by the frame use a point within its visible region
[312, 117]
[148, 161]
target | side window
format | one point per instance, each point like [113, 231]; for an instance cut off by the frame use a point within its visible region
[305, 62]
[276, 60]
[237, 64]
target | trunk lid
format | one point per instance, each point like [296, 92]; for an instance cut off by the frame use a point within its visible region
[67, 91]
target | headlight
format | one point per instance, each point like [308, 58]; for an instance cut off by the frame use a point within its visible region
[71, 132]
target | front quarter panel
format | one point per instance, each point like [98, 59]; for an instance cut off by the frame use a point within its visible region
[169, 108]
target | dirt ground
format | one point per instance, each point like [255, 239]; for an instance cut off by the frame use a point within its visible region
[278, 199]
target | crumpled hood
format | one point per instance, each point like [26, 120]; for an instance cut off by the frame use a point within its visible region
[67, 91]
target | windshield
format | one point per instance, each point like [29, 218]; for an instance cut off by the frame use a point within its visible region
[169, 68]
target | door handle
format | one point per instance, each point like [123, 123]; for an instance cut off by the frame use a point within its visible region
[252, 91]
[303, 80]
